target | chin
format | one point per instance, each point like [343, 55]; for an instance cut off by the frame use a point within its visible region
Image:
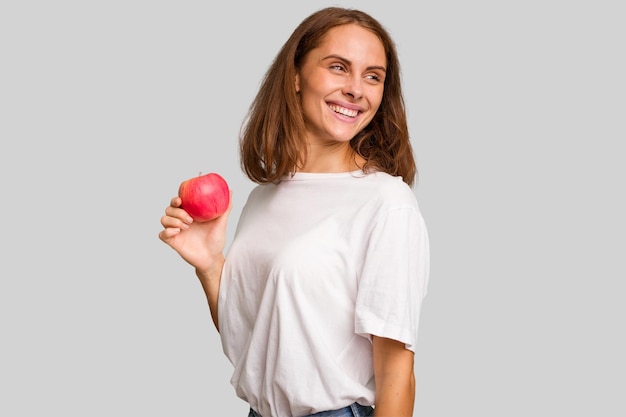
[344, 136]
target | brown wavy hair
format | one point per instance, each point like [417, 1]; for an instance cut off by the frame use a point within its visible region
[271, 144]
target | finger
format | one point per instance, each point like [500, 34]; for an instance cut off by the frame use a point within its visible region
[176, 201]
[179, 214]
[168, 233]
[230, 203]
[174, 222]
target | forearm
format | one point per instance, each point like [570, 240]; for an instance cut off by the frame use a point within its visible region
[395, 379]
[210, 280]
[395, 396]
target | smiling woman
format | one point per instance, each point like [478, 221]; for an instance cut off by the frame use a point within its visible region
[273, 144]
[341, 84]
[318, 299]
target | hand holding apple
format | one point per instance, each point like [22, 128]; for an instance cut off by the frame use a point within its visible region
[204, 197]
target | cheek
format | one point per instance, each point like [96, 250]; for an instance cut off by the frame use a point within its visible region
[379, 95]
[313, 85]
[376, 100]
[312, 94]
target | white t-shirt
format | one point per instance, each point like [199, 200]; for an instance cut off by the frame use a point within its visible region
[319, 263]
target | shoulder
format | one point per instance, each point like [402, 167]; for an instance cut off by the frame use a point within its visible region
[261, 191]
[390, 191]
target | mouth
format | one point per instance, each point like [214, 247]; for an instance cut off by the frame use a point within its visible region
[344, 111]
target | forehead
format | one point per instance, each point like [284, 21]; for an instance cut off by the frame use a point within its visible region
[353, 42]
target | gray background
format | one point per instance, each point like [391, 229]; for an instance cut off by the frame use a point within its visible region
[517, 113]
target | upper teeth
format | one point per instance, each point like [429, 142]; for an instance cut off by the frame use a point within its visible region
[343, 110]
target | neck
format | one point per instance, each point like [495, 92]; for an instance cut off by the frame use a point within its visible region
[331, 159]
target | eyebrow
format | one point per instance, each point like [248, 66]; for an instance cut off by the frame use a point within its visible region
[347, 61]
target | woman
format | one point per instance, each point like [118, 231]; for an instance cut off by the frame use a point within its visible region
[317, 301]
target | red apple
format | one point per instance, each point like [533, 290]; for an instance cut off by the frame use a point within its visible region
[204, 197]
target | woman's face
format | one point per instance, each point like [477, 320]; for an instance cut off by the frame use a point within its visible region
[340, 84]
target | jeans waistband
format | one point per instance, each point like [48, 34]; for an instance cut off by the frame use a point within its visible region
[353, 410]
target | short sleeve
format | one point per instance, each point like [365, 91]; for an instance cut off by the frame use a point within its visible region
[394, 278]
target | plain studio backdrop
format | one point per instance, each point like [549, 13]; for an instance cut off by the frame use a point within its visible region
[517, 116]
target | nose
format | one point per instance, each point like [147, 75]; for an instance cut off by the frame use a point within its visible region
[353, 88]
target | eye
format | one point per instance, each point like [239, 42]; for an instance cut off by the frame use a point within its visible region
[374, 78]
[337, 67]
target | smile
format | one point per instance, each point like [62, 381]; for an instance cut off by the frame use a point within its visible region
[343, 111]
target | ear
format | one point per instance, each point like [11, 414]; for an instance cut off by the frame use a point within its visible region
[297, 82]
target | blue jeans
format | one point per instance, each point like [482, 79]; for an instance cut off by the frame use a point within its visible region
[354, 410]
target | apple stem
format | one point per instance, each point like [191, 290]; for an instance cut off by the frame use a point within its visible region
[200, 173]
